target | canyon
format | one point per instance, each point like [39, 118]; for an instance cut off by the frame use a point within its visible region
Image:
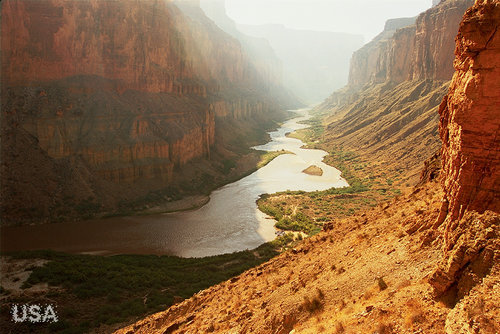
[114, 107]
[426, 261]
[111, 105]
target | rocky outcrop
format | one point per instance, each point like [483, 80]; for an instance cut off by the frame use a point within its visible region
[470, 129]
[411, 52]
[129, 91]
[470, 126]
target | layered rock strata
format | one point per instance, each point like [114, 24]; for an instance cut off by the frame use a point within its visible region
[470, 123]
[406, 51]
[127, 91]
[389, 108]
[470, 129]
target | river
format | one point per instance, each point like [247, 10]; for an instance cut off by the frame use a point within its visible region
[230, 222]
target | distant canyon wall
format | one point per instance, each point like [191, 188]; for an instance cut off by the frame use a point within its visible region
[260, 52]
[121, 93]
[314, 62]
[419, 51]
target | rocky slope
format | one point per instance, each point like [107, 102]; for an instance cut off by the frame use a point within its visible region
[403, 267]
[389, 108]
[109, 102]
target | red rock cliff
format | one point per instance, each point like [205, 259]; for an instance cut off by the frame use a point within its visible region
[470, 132]
[146, 45]
[415, 52]
[470, 118]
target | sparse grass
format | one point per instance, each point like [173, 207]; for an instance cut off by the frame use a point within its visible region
[382, 285]
[413, 313]
[315, 303]
[338, 328]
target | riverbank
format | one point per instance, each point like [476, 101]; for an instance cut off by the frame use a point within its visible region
[228, 222]
[198, 201]
[308, 212]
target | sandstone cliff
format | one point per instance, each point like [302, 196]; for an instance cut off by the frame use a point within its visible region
[125, 94]
[369, 62]
[470, 128]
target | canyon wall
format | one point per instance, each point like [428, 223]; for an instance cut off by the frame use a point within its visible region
[123, 93]
[314, 62]
[411, 52]
[470, 123]
[470, 128]
[262, 55]
[389, 108]
[370, 61]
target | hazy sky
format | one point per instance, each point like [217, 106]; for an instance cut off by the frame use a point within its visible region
[365, 17]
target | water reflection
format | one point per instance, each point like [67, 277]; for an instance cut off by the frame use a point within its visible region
[229, 222]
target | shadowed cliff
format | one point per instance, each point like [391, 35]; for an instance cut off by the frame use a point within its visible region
[108, 105]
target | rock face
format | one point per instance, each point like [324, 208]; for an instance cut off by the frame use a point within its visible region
[470, 123]
[122, 93]
[470, 129]
[411, 52]
[369, 64]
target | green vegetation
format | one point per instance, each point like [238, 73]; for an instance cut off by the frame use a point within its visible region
[267, 157]
[312, 133]
[287, 220]
[307, 212]
[93, 290]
